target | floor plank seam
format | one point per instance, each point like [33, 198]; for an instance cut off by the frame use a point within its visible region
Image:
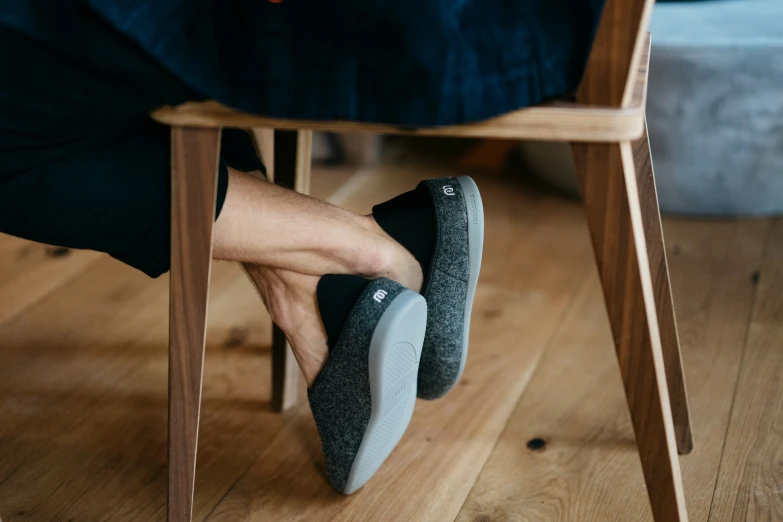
[291, 416]
[563, 315]
[767, 238]
[350, 186]
[11, 475]
[51, 291]
[231, 487]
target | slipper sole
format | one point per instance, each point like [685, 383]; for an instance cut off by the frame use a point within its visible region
[394, 356]
[475, 210]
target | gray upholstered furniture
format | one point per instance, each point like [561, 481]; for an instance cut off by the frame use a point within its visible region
[715, 110]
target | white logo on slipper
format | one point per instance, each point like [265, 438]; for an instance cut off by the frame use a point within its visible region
[379, 295]
[448, 190]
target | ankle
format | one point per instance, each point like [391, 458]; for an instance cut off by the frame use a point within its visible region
[385, 257]
[310, 357]
[375, 256]
[290, 299]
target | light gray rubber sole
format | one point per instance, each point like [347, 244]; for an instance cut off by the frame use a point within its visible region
[394, 356]
[475, 210]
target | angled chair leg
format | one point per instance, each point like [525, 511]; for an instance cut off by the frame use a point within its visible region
[194, 157]
[609, 190]
[292, 160]
[659, 271]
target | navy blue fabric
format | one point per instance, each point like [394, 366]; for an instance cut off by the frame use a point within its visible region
[78, 79]
[409, 62]
[113, 199]
[405, 62]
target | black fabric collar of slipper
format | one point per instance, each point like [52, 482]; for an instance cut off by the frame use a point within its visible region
[411, 220]
[337, 295]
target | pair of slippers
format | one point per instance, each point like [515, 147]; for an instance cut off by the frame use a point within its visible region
[389, 345]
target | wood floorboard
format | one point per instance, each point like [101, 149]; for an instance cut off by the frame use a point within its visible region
[750, 485]
[325, 181]
[86, 400]
[83, 370]
[83, 395]
[30, 271]
[712, 267]
[589, 468]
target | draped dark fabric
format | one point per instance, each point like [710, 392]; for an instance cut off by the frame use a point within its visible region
[78, 72]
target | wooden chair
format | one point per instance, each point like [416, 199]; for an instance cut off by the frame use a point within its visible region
[607, 129]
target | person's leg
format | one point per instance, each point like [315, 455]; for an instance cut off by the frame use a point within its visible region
[290, 298]
[286, 241]
[116, 199]
[264, 224]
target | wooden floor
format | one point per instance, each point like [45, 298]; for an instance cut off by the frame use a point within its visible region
[83, 368]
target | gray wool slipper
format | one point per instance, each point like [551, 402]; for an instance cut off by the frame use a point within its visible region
[363, 399]
[441, 223]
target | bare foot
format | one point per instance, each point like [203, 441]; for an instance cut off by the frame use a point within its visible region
[291, 300]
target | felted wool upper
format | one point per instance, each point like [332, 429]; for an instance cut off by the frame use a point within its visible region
[340, 397]
[445, 274]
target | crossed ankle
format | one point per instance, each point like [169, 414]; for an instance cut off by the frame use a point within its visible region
[382, 256]
[310, 358]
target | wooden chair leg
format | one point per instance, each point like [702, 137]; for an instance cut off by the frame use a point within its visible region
[194, 157]
[292, 160]
[659, 271]
[609, 190]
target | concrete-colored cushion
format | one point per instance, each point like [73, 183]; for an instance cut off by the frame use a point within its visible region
[714, 110]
